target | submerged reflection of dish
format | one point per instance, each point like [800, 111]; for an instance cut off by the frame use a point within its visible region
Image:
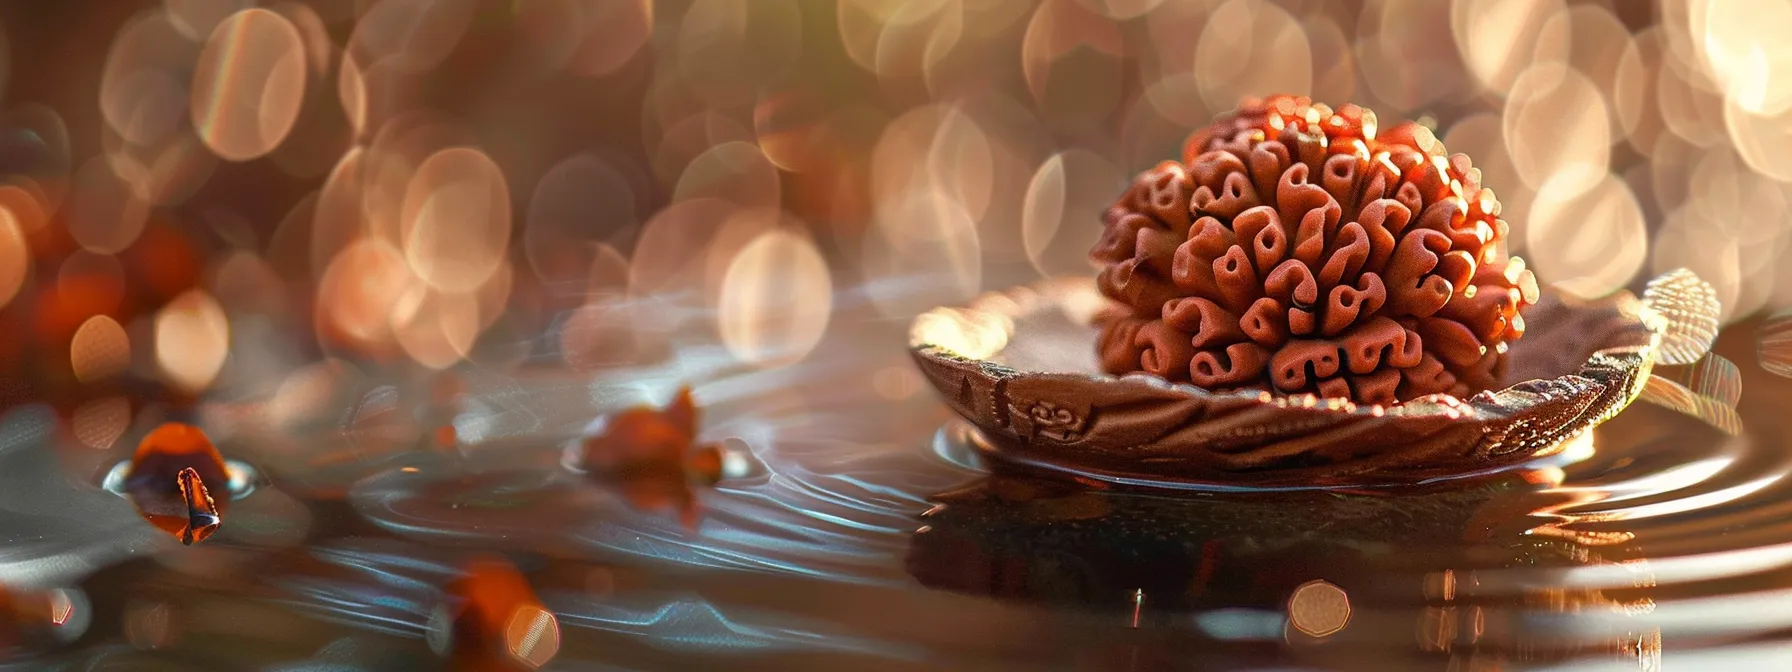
[1290, 566]
[1052, 541]
[1595, 553]
[1020, 365]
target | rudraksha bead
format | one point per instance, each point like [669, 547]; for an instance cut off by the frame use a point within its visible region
[1294, 249]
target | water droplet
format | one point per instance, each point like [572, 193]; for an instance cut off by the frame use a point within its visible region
[650, 457]
[202, 511]
[179, 482]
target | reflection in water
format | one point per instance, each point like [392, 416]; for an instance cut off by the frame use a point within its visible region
[841, 471]
[151, 624]
[650, 456]
[36, 620]
[370, 584]
[1546, 564]
[1589, 556]
[1053, 542]
[1655, 525]
[180, 483]
[58, 527]
[690, 625]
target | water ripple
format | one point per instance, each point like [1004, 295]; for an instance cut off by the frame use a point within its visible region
[693, 625]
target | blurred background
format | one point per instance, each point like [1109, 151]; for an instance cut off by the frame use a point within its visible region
[393, 253]
[208, 193]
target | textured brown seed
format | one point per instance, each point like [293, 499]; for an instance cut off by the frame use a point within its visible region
[1295, 249]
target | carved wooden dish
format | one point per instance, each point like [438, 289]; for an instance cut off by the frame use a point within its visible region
[1020, 365]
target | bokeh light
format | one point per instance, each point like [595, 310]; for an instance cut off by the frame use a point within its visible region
[1066, 188]
[1587, 242]
[104, 215]
[359, 292]
[249, 84]
[1499, 38]
[573, 205]
[776, 298]
[1556, 129]
[15, 257]
[1250, 46]
[143, 96]
[1746, 52]
[192, 340]
[1319, 609]
[99, 350]
[456, 219]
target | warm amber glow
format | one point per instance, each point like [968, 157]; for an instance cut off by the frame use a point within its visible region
[609, 34]
[494, 620]
[351, 91]
[1058, 32]
[143, 95]
[928, 240]
[306, 392]
[1764, 141]
[196, 18]
[934, 148]
[671, 251]
[972, 334]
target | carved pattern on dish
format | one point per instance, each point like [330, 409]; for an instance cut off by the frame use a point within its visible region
[1020, 366]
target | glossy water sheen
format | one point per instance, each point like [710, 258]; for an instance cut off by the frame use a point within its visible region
[865, 536]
